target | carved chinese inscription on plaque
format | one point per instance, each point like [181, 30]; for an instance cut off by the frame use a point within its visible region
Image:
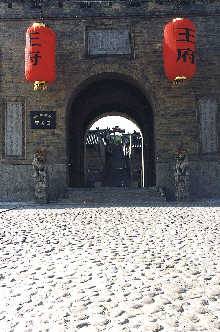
[109, 42]
[43, 119]
[13, 129]
[208, 130]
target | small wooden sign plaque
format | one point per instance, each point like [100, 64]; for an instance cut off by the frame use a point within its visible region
[43, 119]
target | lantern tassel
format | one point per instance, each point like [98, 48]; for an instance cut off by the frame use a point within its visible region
[179, 81]
[40, 85]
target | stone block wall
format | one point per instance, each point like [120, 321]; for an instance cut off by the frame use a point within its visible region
[16, 183]
[177, 111]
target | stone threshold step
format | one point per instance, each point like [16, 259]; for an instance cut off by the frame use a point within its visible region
[112, 195]
[113, 189]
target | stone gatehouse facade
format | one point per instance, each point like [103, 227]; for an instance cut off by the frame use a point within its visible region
[109, 61]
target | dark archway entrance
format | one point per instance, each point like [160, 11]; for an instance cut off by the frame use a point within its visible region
[108, 95]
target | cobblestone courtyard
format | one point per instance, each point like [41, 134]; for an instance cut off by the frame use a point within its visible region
[105, 268]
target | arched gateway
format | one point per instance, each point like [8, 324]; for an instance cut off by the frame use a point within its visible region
[108, 94]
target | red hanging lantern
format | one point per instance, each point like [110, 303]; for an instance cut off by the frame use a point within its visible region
[40, 55]
[179, 50]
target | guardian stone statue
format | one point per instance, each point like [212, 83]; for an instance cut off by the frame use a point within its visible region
[181, 175]
[40, 176]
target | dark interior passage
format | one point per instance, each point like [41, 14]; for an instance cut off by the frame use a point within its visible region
[107, 96]
[114, 154]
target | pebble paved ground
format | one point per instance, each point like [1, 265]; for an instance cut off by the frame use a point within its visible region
[77, 269]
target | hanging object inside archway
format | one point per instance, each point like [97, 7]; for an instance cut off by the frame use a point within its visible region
[179, 50]
[40, 56]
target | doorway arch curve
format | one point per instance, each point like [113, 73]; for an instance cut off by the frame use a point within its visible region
[112, 95]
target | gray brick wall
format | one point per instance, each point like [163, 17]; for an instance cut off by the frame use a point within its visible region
[175, 110]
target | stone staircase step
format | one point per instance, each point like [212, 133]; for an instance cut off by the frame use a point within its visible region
[112, 195]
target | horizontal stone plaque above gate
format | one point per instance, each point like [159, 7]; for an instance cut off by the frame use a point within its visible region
[109, 42]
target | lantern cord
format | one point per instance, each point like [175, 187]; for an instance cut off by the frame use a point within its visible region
[41, 15]
[41, 12]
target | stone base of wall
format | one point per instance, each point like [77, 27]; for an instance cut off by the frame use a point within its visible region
[165, 179]
[17, 183]
[204, 179]
[57, 181]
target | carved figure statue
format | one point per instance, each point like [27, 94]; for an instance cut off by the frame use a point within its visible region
[181, 175]
[40, 176]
